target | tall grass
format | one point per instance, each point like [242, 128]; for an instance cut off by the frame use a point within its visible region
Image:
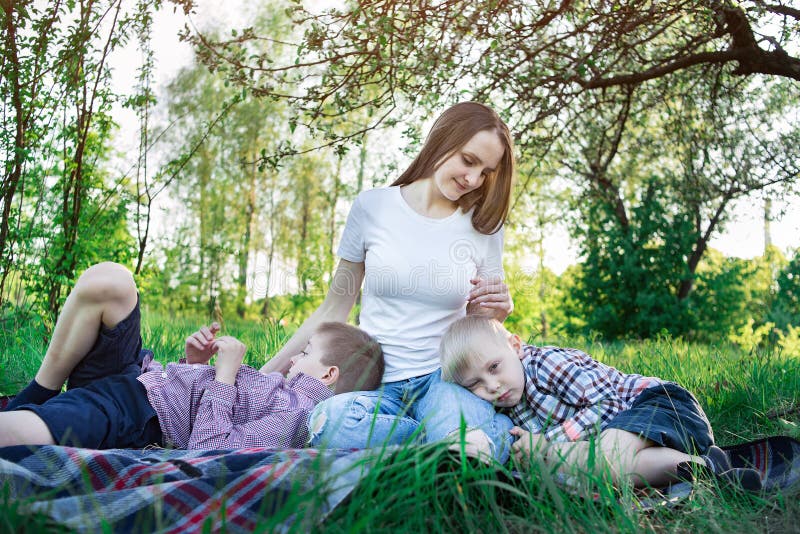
[426, 489]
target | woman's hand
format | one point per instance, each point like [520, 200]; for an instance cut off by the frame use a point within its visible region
[490, 297]
[200, 346]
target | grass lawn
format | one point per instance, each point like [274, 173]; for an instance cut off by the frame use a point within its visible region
[418, 489]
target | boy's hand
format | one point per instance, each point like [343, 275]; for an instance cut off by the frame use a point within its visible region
[200, 346]
[526, 442]
[229, 358]
[490, 298]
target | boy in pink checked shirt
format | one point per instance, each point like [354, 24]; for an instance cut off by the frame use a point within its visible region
[118, 397]
[646, 430]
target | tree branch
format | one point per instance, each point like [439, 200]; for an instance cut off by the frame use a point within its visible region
[782, 10]
[743, 48]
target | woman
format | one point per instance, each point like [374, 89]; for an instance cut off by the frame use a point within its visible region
[425, 249]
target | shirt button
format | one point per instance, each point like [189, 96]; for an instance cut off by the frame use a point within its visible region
[163, 375]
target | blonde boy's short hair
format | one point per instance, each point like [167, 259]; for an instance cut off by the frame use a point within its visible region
[469, 341]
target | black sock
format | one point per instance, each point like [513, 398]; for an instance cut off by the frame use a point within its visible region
[32, 394]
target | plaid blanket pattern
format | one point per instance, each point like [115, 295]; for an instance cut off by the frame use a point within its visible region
[777, 458]
[173, 491]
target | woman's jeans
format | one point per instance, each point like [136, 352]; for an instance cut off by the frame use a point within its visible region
[422, 409]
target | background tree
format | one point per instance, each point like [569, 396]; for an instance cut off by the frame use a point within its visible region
[533, 58]
[662, 113]
[785, 306]
[58, 203]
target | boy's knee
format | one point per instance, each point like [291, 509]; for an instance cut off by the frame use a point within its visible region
[104, 282]
[23, 427]
[476, 443]
[316, 425]
[344, 412]
[619, 449]
[343, 407]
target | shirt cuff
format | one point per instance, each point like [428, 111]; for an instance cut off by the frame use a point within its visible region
[217, 391]
[567, 431]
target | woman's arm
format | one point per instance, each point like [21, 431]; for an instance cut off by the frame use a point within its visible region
[336, 307]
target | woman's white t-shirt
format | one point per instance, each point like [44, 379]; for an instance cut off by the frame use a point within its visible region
[417, 275]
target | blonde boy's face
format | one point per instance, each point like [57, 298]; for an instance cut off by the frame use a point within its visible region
[497, 376]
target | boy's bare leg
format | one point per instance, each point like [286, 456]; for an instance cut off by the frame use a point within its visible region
[627, 456]
[23, 427]
[659, 465]
[638, 460]
[105, 293]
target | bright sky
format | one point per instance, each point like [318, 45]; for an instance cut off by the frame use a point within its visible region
[742, 237]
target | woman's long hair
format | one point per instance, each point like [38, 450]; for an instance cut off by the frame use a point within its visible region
[451, 131]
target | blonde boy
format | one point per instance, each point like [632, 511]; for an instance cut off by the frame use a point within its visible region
[559, 399]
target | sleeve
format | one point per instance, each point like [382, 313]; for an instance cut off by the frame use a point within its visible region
[492, 263]
[568, 375]
[214, 426]
[352, 246]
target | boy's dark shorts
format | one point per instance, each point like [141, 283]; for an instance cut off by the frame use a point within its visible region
[105, 406]
[670, 416]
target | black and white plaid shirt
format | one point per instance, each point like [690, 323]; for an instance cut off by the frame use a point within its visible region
[572, 396]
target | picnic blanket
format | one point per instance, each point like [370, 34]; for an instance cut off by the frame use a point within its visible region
[180, 491]
[776, 458]
[177, 491]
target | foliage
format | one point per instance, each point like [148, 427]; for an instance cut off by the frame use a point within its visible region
[249, 224]
[749, 336]
[731, 291]
[655, 111]
[538, 303]
[535, 57]
[60, 208]
[789, 342]
[636, 124]
[628, 278]
[785, 306]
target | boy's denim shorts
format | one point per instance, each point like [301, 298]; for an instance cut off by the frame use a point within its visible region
[670, 416]
[105, 406]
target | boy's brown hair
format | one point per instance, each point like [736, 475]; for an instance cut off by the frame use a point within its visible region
[357, 355]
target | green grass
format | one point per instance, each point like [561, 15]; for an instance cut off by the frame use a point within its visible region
[421, 489]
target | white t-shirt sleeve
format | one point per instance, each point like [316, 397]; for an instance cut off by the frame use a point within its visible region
[352, 246]
[492, 264]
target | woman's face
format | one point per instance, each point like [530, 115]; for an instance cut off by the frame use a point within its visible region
[466, 169]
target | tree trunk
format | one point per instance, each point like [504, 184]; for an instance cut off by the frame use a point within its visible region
[271, 253]
[767, 220]
[685, 286]
[302, 267]
[362, 160]
[337, 184]
[244, 253]
[143, 239]
[12, 179]
[542, 284]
